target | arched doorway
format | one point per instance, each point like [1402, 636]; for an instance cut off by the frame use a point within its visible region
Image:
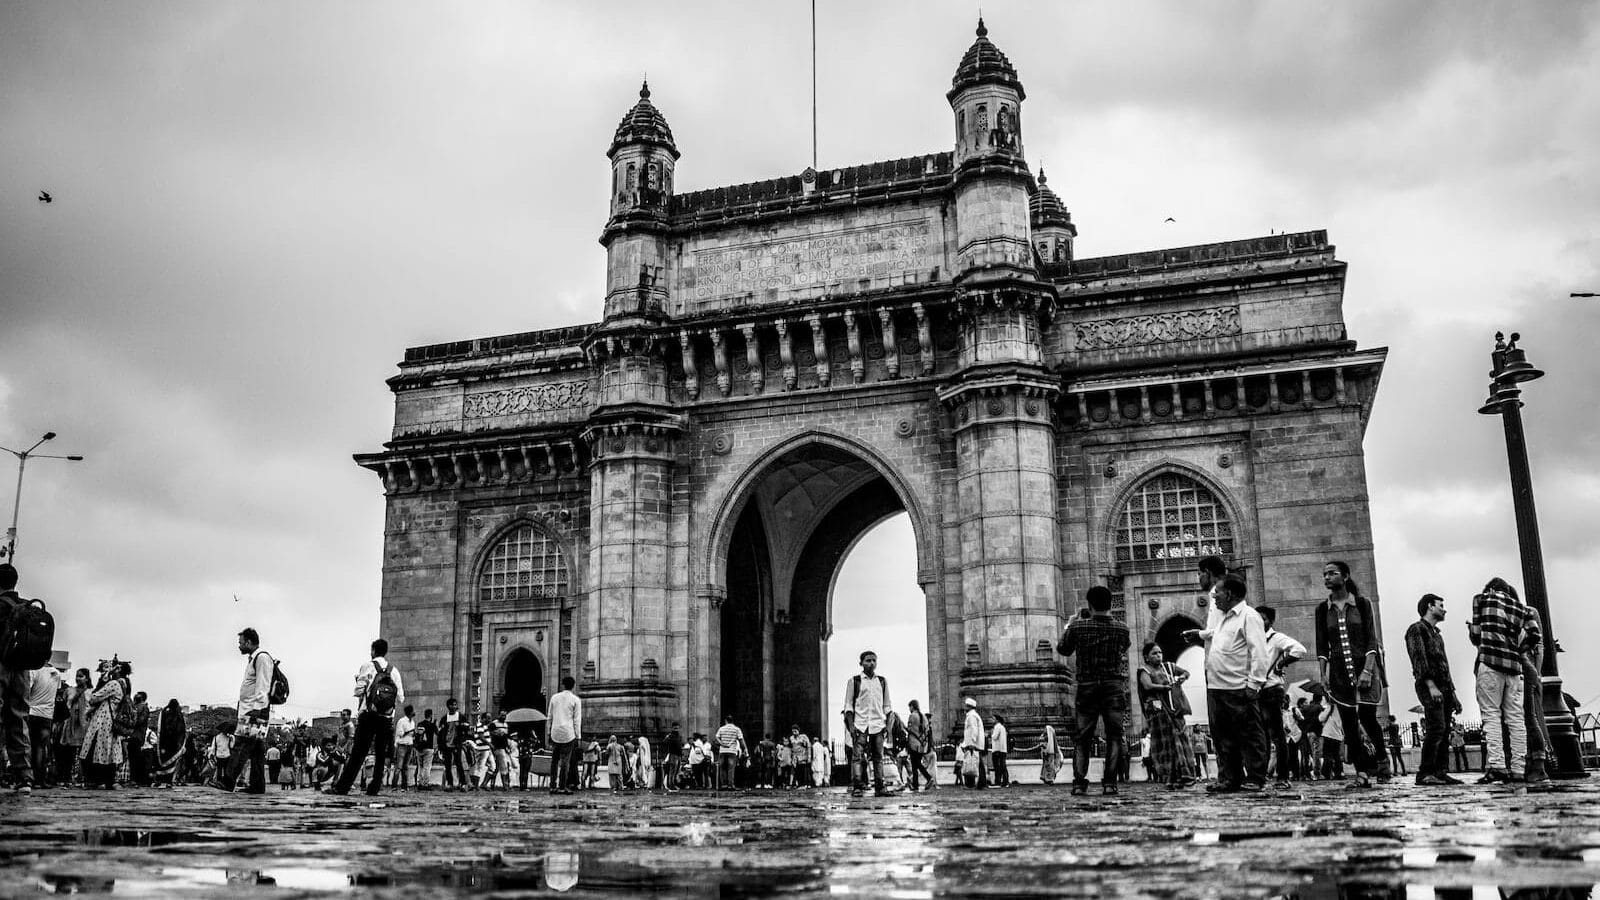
[803, 514]
[522, 685]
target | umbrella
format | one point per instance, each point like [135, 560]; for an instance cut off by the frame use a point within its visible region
[1417, 709]
[1314, 688]
[526, 714]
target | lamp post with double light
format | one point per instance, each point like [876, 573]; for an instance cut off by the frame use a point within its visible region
[9, 551]
[1511, 369]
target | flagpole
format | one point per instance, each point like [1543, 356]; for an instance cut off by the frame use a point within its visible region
[813, 84]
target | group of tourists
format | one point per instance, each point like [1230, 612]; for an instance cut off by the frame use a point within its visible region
[97, 728]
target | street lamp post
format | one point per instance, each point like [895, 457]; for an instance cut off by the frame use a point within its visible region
[1511, 368]
[9, 551]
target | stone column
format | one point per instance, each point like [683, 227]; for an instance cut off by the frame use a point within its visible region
[1002, 407]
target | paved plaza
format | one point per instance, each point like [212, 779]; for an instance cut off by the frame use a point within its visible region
[1313, 842]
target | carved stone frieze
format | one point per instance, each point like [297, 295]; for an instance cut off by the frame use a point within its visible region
[533, 398]
[1158, 328]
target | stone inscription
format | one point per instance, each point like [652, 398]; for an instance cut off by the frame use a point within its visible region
[844, 256]
[1160, 328]
[534, 398]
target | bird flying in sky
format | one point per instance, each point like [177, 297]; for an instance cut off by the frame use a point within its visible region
[1172, 220]
[44, 197]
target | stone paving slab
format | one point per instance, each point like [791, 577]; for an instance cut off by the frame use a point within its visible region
[1316, 841]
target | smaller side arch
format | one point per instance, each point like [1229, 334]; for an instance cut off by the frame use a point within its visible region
[513, 696]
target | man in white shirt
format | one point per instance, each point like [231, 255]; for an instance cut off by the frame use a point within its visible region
[972, 746]
[1282, 650]
[1236, 671]
[380, 692]
[43, 685]
[253, 713]
[566, 736]
[405, 736]
[866, 707]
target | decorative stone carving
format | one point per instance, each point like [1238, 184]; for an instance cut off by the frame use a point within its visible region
[904, 428]
[721, 444]
[1160, 328]
[533, 398]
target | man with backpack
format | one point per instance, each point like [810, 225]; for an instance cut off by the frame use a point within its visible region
[866, 708]
[14, 681]
[250, 745]
[379, 691]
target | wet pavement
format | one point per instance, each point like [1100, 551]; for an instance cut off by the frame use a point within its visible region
[1316, 841]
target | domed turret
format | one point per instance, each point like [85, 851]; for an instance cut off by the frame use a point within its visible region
[643, 155]
[1053, 231]
[986, 96]
[984, 64]
[644, 124]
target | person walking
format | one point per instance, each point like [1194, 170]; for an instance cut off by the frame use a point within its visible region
[1100, 644]
[919, 745]
[821, 764]
[565, 728]
[1236, 671]
[1308, 719]
[671, 747]
[801, 747]
[866, 705]
[379, 689]
[102, 752]
[1499, 629]
[1282, 651]
[14, 696]
[1458, 746]
[1347, 655]
[254, 711]
[172, 741]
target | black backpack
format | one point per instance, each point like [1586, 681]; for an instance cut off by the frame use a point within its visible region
[278, 693]
[26, 636]
[382, 692]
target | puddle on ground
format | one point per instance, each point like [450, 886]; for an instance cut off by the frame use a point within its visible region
[1330, 887]
[145, 839]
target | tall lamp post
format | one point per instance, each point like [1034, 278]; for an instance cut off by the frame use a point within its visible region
[1511, 368]
[9, 550]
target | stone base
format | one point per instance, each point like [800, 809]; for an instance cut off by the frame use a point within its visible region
[1029, 695]
[627, 707]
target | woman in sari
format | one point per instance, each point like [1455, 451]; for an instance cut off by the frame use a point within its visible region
[821, 774]
[101, 753]
[172, 741]
[1155, 699]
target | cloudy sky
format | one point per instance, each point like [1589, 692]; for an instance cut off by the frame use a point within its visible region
[259, 206]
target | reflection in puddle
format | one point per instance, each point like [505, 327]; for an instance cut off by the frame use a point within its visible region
[133, 837]
[1332, 887]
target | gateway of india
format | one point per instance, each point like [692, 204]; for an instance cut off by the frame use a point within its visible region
[657, 503]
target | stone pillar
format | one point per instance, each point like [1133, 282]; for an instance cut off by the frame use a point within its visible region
[632, 439]
[1004, 435]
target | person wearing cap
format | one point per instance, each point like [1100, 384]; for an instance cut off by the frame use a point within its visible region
[972, 746]
[251, 744]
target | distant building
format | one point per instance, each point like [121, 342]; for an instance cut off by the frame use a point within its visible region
[657, 503]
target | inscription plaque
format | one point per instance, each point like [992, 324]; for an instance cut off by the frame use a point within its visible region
[813, 262]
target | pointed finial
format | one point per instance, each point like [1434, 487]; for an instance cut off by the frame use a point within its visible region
[644, 89]
[1499, 340]
[1041, 174]
[983, 30]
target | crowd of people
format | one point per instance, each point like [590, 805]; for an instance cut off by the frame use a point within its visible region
[98, 731]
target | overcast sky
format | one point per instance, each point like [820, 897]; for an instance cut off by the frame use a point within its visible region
[259, 206]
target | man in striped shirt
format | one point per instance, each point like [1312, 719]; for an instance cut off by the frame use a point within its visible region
[1498, 627]
[730, 747]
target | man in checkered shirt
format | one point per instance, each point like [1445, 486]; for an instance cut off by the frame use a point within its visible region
[1100, 644]
[1499, 627]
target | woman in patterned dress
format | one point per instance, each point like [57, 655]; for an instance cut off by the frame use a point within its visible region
[1348, 654]
[101, 753]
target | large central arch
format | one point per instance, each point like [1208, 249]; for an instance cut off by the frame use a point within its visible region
[781, 539]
